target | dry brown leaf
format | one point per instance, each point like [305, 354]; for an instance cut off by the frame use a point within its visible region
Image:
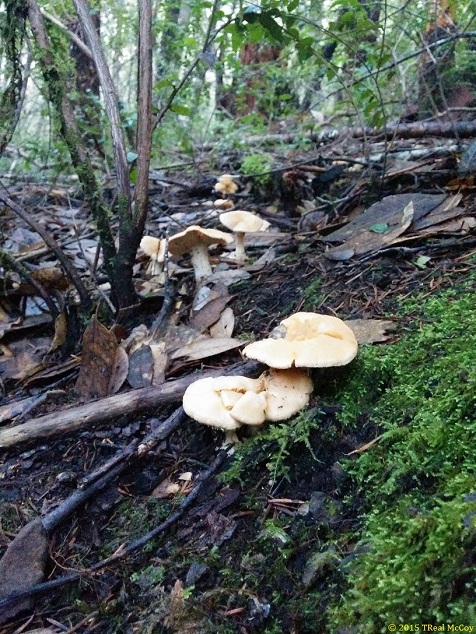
[181, 335]
[209, 314]
[141, 367]
[22, 359]
[166, 489]
[363, 448]
[224, 326]
[160, 360]
[368, 240]
[206, 347]
[182, 618]
[258, 265]
[119, 372]
[52, 373]
[97, 361]
[229, 276]
[371, 330]
[61, 330]
[22, 566]
[136, 339]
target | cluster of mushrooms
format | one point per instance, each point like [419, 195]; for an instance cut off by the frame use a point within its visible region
[195, 240]
[305, 340]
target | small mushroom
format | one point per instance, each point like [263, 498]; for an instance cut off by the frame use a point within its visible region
[196, 240]
[241, 222]
[212, 401]
[226, 185]
[310, 341]
[155, 249]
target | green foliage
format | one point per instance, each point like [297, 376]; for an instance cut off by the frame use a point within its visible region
[258, 166]
[419, 480]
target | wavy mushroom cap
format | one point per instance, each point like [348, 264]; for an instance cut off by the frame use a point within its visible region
[241, 221]
[226, 185]
[310, 341]
[217, 402]
[194, 236]
[196, 240]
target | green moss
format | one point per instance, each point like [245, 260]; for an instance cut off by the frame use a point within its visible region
[258, 166]
[418, 481]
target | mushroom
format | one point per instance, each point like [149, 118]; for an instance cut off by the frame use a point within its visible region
[226, 185]
[286, 391]
[310, 341]
[155, 249]
[228, 402]
[215, 401]
[196, 240]
[241, 222]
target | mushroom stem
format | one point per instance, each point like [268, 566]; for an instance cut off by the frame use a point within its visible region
[230, 438]
[200, 262]
[240, 246]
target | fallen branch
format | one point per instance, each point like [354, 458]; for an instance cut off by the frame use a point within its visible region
[101, 412]
[110, 469]
[48, 586]
[416, 130]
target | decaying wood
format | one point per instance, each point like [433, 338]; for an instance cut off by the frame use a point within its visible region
[101, 412]
[415, 130]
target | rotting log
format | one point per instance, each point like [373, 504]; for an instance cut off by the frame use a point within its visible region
[107, 409]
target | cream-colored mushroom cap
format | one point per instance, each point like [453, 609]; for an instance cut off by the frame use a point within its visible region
[196, 240]
[226, 185]
[203, 403]
[155, 249]
[243, 221]
[225, 402]
[286, 391]
[186, 240]
[310, 341]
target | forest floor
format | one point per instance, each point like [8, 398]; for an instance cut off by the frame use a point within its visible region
[357, 514]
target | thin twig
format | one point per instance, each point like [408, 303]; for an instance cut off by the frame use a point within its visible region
[48, 586]
[51, 243]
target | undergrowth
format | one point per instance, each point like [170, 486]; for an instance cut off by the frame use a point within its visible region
[407, 556]
[416, 561]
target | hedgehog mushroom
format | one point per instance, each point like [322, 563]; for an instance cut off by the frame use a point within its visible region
[241, 222]
[286, 392]
[155, 249]
[226, 185]
[217, 402]
[310, 341]
[196, 240]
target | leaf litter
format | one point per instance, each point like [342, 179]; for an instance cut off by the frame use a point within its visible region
[396, 220]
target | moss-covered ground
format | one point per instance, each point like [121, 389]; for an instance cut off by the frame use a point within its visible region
[358, 514]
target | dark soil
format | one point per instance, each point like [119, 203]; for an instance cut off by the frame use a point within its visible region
[240, 558]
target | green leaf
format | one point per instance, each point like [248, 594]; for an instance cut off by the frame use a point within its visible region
[422, 261]
[133, 176]
[163, 83]
[379, 227]
[273, 28]
[182, 110]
